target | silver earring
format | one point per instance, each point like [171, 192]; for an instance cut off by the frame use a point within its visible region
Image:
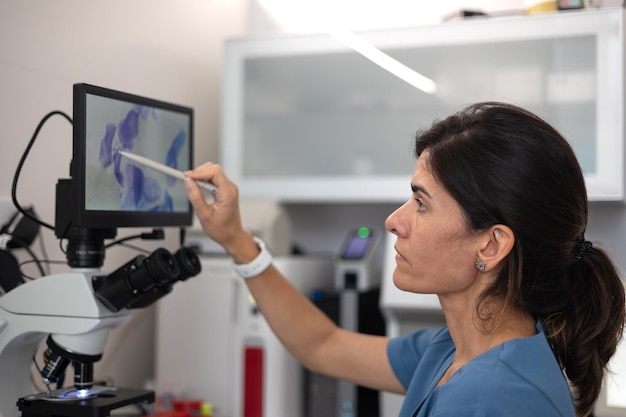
[480, 265]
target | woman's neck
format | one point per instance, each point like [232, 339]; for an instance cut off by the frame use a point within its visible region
[473, 335]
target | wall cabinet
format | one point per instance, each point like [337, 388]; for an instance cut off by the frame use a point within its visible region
[307, 119]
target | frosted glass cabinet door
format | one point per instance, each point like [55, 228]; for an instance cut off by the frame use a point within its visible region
[308, 119]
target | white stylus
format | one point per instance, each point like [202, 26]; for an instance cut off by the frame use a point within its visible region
[171, 172]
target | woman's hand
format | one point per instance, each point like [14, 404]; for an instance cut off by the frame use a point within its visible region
[221, 221]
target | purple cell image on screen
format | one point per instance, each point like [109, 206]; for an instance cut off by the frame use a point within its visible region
[106, 146]
[140, 188]
[129, 127]
[174, 152]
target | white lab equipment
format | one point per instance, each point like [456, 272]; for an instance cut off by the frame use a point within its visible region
[353, 305]
[214, 344]
[65, 307]
[77, 310]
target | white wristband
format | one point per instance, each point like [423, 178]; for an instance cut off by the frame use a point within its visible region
[258, 264]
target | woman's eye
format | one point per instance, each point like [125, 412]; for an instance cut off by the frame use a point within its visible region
[420, 205]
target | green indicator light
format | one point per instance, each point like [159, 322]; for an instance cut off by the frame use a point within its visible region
[363, 232]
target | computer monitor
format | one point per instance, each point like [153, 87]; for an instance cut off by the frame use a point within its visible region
[111, 191]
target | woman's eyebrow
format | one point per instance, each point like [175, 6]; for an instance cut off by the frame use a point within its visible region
[420, 189]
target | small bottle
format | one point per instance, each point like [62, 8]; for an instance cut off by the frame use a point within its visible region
[540, 6]
[206, 409]
[571, 4]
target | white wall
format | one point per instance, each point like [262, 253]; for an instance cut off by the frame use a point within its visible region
[169, 50]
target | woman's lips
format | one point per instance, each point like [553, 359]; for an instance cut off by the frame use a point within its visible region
[399, 256]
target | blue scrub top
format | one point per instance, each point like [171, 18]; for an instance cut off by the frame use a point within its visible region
[518, 378]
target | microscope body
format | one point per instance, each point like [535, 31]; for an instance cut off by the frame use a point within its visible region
[63, 306]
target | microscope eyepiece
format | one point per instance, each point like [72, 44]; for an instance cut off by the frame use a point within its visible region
[189, 263]
[162, 267]
[143, 280]
[118, 289]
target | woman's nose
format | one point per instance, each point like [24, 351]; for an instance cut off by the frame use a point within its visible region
[392, 223]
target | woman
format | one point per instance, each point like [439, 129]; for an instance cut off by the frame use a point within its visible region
[496, 228]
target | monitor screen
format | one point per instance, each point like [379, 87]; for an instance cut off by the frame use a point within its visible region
[113, 191]
[357, 244]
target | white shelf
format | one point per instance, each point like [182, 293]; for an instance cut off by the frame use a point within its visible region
[306, 119]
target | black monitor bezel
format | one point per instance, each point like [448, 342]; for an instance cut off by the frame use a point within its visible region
[81, 217]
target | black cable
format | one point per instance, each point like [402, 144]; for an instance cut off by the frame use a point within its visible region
[44, 261]
[44, 252]
[122, 240]
[136, 248]
[67, 228]
[182, 235]
[36, 260]
[156, 234]
[21, 164]
[26, 247]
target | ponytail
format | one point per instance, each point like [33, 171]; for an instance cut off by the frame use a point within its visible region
[585, 335]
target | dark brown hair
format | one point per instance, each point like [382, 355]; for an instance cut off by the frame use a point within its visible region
[505, 165]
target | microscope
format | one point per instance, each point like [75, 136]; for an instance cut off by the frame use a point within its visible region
[75, 312]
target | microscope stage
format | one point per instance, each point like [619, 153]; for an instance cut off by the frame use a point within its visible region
[64, 403]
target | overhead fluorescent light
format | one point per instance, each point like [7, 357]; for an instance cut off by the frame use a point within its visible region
[369, 51]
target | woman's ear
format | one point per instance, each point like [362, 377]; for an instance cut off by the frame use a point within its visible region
[498, 243]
